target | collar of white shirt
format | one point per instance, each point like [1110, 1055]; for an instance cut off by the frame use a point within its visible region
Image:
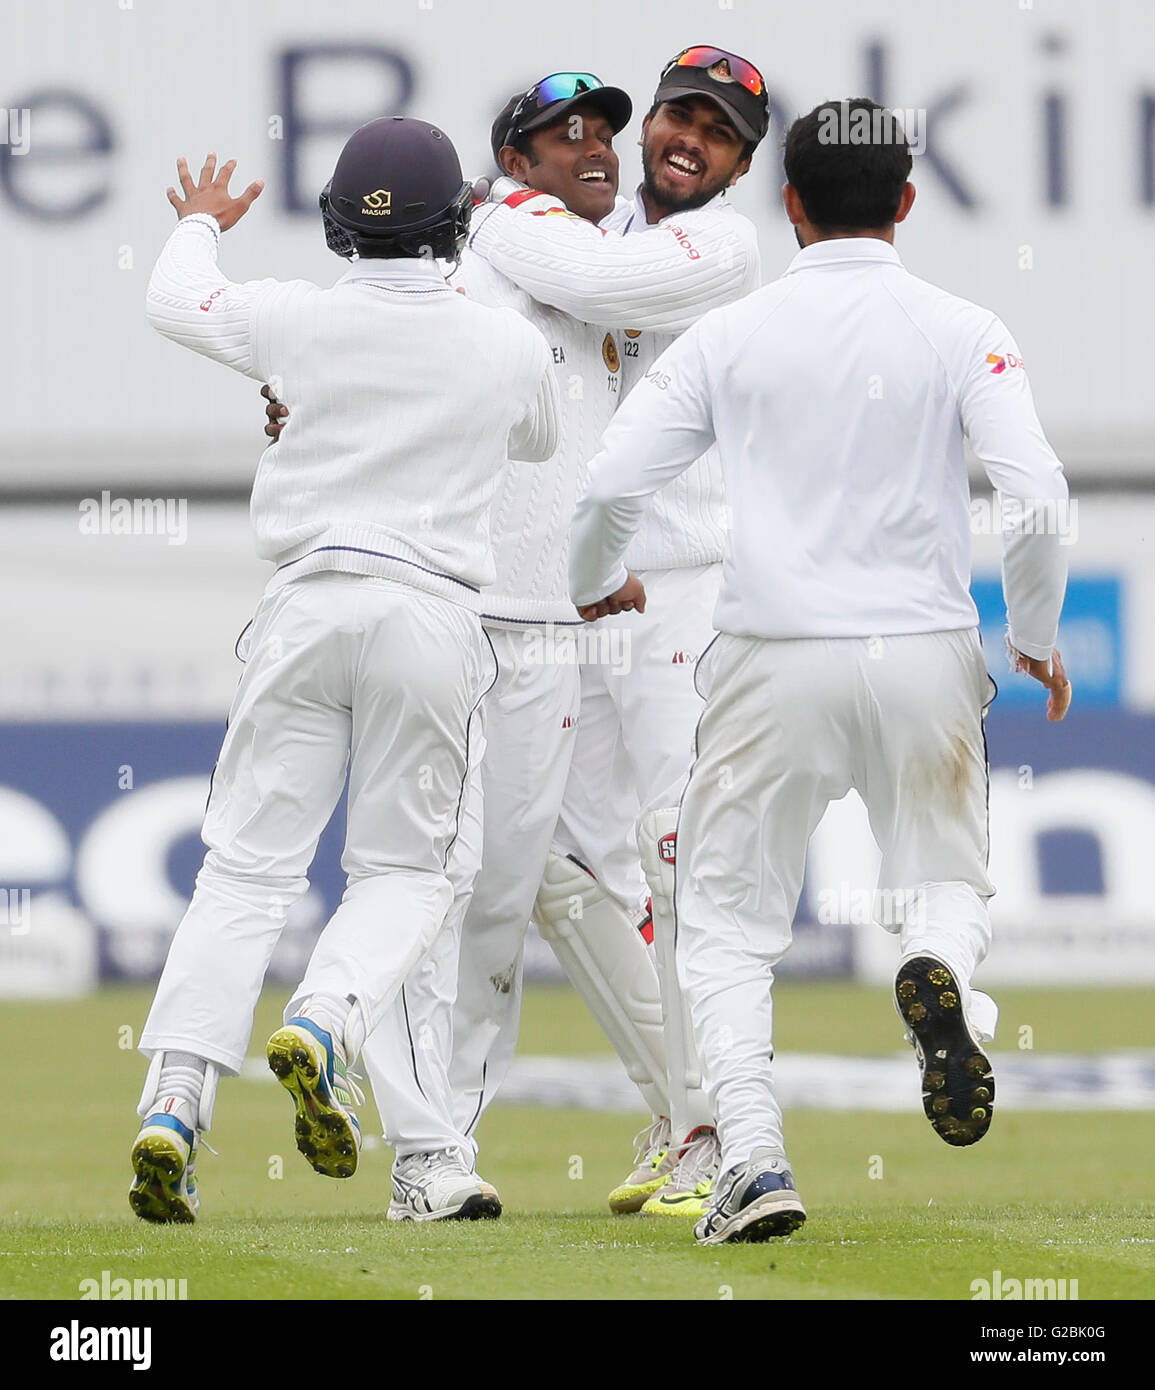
[637, 218]
[414, 274]
[840, 250]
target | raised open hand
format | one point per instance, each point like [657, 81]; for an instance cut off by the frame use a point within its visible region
[212, 194]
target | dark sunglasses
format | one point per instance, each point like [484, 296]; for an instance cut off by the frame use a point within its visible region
[559, 86]
[738, 68]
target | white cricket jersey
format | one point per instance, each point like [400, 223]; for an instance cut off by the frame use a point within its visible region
[405, 402]
[654, 281]
[840, 397]
[533, 510]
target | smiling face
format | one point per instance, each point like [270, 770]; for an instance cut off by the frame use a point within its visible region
[690, 152]
[573, 159]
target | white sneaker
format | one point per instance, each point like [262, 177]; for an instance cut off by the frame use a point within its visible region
[440, 1186]
[756, 1201]
[487, 1188]
[654, 1160]
[691, 1187]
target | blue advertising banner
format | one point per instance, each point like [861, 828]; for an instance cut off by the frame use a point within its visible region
[99, 843]
[107, 817]
[1090, 639]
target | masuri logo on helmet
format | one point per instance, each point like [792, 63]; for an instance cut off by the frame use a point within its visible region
[415, 175]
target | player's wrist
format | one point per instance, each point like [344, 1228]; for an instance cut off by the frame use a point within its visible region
[1019, 651]
[202, 218]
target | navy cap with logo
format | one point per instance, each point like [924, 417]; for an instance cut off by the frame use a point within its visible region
[732, 82]
[550, 99]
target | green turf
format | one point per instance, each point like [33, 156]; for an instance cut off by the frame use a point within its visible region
[1044, 1196]
[814, 1016]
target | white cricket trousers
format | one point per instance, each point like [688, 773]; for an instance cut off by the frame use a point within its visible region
[635, 742]
[345, 673]
[447, 1042]
[788, 727]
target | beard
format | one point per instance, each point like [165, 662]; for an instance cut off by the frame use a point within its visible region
[672, 197]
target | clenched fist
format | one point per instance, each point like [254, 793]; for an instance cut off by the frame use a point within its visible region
[631, 597]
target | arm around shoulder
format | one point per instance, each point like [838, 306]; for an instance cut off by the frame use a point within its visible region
[664, 278]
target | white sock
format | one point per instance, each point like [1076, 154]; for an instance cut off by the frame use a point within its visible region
[186, 1078]
[330, 1013]
[182, 1075]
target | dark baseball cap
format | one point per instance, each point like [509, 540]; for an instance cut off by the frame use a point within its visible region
[550, 99]
[729, 81]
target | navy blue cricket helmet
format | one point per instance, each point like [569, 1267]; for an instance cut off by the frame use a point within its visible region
[397, 190]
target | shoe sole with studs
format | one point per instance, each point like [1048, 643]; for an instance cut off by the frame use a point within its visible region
[958, 1089]
[159, 1164]
[325, 1131]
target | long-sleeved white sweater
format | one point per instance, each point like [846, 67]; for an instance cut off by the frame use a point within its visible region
[533, 509]
[654, 281]
[840, 397]
[405, 402]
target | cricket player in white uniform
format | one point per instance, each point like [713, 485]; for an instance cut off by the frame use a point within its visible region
[661, 261]
[366, 654]
[840, 397]
[449, 1038]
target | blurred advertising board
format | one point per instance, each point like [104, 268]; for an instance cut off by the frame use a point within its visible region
[99, 847]
[1005, 103]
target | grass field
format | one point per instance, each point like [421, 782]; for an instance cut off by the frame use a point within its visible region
[1063, 1195]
